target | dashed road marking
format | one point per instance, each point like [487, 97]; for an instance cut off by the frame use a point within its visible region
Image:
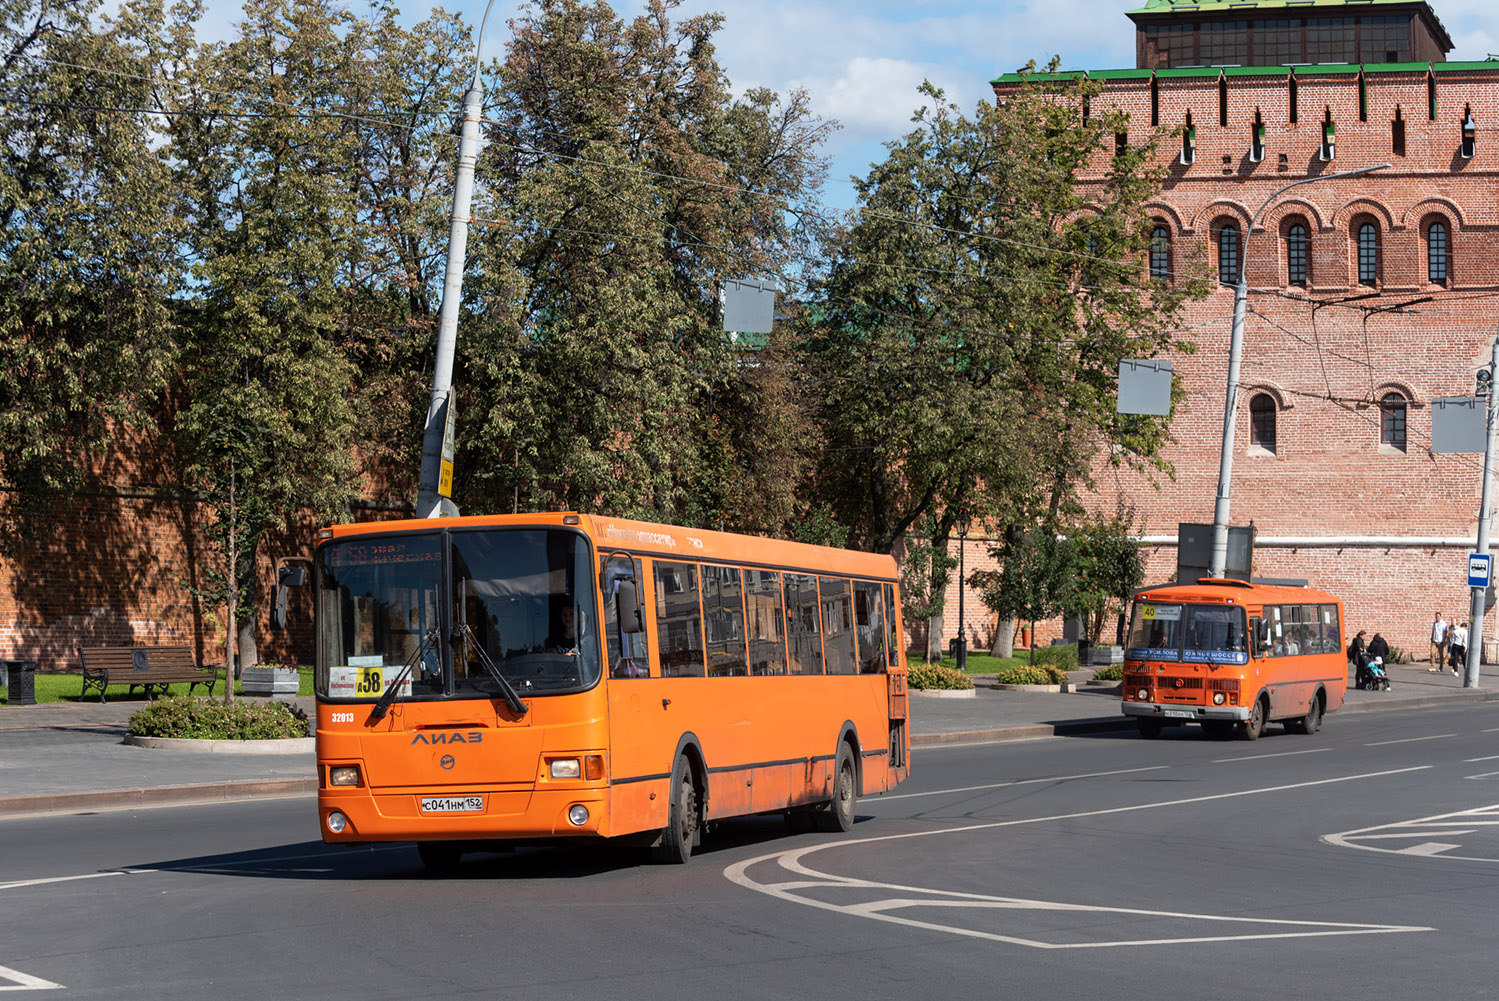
[24, 981]
[1019, 782]
[1409, 740]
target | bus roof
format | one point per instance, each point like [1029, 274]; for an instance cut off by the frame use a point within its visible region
[652, 539]
[1238, 591]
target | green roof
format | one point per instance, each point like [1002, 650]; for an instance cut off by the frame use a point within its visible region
[1301, 70]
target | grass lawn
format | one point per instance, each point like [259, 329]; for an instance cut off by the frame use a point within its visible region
[66, 688]
[978, 663]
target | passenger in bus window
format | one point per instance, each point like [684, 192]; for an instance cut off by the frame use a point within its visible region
[564, 638]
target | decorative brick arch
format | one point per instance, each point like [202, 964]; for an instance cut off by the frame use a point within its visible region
[1344, 216]
[1223, 207]
[1434, 206]
[1283, 401]
[1156, 210]
[1383, 389]
[1271, 220]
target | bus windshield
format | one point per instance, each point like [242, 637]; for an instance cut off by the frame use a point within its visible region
[513, 609]
[1201, 633]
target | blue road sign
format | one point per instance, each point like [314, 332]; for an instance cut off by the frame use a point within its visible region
[1479, 567]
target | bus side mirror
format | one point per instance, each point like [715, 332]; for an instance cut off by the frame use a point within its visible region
[627, 607]
[285, 577]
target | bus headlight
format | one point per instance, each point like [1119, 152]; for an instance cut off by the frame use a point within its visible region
[343, 775]
[577, 815]
[1143, 694]
[1218, 699]
[567, 768]
[337, 822]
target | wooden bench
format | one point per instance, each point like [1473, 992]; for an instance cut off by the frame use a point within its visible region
[149, 667]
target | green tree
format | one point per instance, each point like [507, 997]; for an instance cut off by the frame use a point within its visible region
[1036, 579]
[974, 314]
[1108, 567]
[89, 253]
[622, 185]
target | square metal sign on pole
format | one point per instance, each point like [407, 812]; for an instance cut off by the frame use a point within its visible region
[1458, 424]
[1144, 387]
[749, 306]
[1480, 567]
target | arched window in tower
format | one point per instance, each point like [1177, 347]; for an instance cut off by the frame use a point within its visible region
[1436, 253]
[1262, 422]
[1228, 254]
[1298, 256]
[1392, 421]
[1160, 253]
[1368, 254]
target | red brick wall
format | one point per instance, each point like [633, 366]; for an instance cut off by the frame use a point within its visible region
[1327, 367]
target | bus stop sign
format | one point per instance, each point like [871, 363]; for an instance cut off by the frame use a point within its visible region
[1479, 565]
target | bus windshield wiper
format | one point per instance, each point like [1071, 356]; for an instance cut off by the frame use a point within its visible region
[382, 704]
[512, 698]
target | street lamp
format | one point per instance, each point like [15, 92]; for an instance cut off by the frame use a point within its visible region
[962, 527]
[1235, 357]
[429, 503]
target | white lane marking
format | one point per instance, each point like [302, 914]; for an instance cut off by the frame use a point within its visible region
[1410, 740]
[1492, 729]
[25, 981]
[1278, 754]
[878, 910]
[1491, 757]
[1481, 775]
[1019, 782]
[1479, 820]
[62, 879]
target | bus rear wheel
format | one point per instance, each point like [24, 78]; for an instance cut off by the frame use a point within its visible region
[1309, 723]
[838, 813]
[682, 822]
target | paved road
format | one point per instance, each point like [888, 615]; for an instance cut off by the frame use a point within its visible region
[1358, 863]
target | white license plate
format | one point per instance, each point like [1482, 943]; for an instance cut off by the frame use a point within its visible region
[452, 804]
[1179, 714]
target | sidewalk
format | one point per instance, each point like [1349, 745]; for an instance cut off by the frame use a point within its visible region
[67, 756]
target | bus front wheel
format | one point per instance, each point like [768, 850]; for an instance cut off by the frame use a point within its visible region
[682, 827]
[1254, 726]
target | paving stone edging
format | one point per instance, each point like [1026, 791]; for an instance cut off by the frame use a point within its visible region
[293, 745]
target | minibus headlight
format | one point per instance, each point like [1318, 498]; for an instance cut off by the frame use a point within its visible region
[1218, 698]
[566, 768]
[1143, 694]
[577, 815]
[343, 775]
[337, 822]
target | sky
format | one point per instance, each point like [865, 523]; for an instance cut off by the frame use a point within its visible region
[862, 62]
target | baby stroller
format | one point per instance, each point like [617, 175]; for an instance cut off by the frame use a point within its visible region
[1370, 674]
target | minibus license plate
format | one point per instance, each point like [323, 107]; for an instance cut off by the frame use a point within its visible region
[1181, 714]
[452, 804]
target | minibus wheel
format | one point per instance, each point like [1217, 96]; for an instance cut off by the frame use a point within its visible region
[1309, 723]
[1254, 726]
[838, 813]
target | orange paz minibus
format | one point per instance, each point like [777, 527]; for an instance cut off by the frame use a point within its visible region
[483, 681]
[1228, 653]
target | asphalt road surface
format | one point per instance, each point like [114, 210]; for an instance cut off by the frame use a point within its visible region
[1361, 862]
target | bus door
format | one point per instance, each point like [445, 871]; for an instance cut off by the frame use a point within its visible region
[632, 806]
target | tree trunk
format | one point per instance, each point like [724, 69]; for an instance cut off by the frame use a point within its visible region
[934, 638]
[1004, 637]
[249, 652]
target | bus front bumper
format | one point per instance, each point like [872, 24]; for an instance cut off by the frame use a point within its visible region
[398, 815]
[1177, 713]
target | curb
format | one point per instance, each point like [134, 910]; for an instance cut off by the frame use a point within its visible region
[293, 745]
[1375, 704]
[210, 792]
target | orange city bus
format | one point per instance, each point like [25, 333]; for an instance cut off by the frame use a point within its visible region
[1227, 653]
[483, 681]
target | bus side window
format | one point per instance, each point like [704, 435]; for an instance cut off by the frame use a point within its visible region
[839, 652]
[765, 623]
[803, 635]
[1256, 632]
[869, 626]
[628, 643]
[892, 639]
[679, 620]
[723, 616]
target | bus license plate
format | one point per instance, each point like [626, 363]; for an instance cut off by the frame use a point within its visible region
[1180, 714]
[452, 804]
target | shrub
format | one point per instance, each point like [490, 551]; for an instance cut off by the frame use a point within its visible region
[1114, 672]
[1399, 656]
[1030, 674]
[209, 719]
[935, 676]
[1062, 656]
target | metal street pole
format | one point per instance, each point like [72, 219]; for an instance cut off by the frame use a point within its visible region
[1219, 558]
[962, 631]
[1475, 610]
[429, 503]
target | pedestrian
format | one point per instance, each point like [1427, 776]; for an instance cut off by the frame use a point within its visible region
[1459, 655]
[1359, 659]
[1378, 647]
[1438, 644]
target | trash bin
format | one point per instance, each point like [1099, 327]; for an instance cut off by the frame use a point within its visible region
[22, 677]
[1084, 653]
[952, 648]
